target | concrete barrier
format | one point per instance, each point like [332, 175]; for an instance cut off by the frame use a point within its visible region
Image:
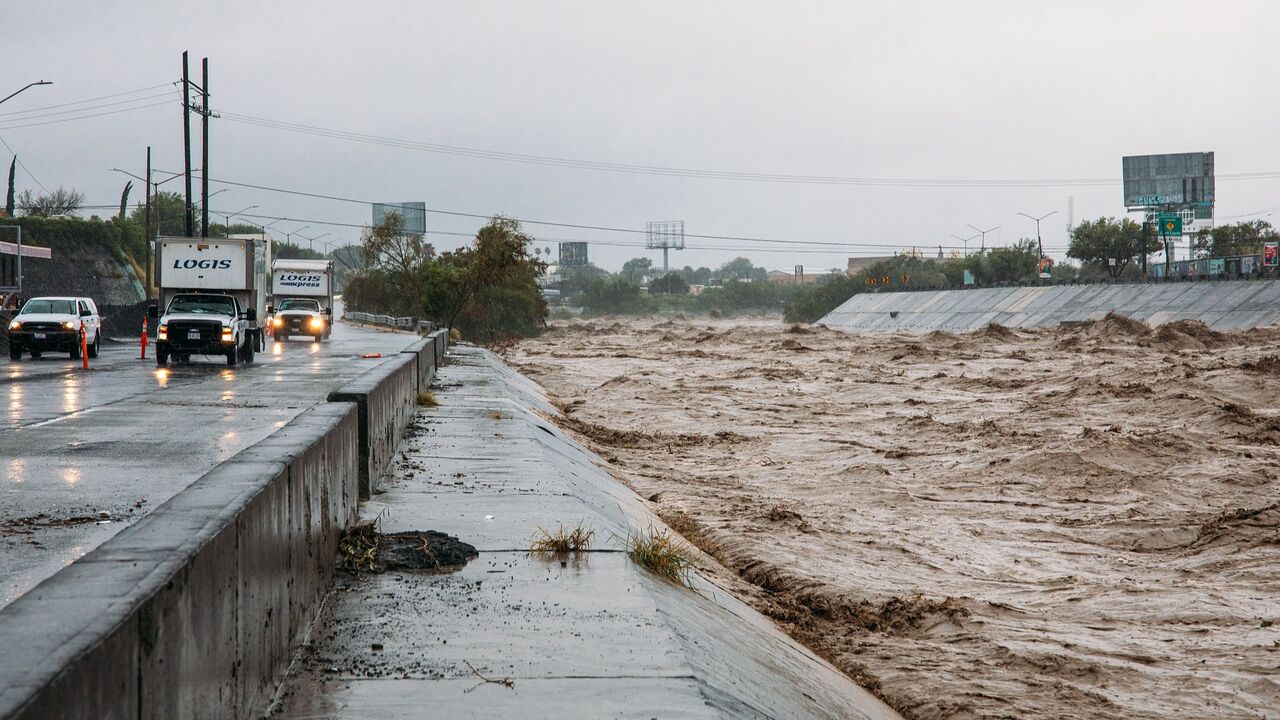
[195, 610]
[1220, 304]
[386, 398]
[440, 339]
[424, 357]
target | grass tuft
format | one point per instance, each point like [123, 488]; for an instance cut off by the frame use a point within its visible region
[358, 548]
[428, 399]
[561, 541]
[662, 553]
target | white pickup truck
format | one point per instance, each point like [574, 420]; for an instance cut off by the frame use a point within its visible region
[53, 324]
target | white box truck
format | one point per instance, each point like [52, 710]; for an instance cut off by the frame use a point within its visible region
[212, 295]
[302, 298]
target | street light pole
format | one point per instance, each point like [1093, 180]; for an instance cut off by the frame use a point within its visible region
[965, 241]
[311, 239]
[228, 217]
[38, 82]
[288, 237]
[984, 236]
[1039, 243]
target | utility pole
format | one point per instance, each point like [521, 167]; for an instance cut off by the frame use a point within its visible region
[189, 219]
[204, 148]
[146, 222]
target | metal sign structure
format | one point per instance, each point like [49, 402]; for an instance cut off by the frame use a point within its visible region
[1270, 255]
[413, 213]
[664, 235]
[1170, 224]
[573, 254]
[1170, 180]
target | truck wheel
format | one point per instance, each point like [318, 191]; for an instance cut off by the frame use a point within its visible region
[75, 352]
[248, 350]
[35, 354]
[15, 352]
[93, 349]
[162, 357]
[277, 337]
[233, 356]
[261, 337]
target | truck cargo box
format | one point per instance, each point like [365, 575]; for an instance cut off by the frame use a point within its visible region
[205, 263]
[302, 278]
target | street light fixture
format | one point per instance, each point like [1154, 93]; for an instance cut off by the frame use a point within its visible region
[982, 232]
[288, 237]
[312, 239]
[964, 240]
[1039, 244]
[38, 82]
[228, 217]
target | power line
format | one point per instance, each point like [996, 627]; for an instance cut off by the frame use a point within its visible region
[575, 226]
[87, 108]
[86, 100]
[23, 165]
[654, 169]
[86, 117]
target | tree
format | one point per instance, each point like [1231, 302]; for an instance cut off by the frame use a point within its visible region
[9, 198]
[1111, 244]
[496, 281]
[634, 270]
[387, 247]
[124, 198]
[1008, 264]
[167, 214]
[669, 284]
[1242, 238]
[59, 202]
[576, 277]
[737, 268]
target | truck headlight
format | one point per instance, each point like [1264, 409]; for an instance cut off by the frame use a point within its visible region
[226, 335]
[15, 325]
[68, 325]
[278, 322]
[162, 333]
[317, 323]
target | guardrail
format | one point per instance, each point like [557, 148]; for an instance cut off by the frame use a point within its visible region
[399, 323]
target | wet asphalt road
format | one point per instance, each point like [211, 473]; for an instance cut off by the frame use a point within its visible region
[85, 453]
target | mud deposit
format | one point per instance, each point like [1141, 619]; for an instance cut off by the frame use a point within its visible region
[1069, 523]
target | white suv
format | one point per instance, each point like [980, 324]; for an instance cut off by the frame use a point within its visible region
[53, 324]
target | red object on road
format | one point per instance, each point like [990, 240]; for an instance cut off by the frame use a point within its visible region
[371, 355]
[143, 356]
[84, 348]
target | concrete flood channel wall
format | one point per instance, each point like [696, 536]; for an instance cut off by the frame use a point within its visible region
[1220, 304]
[195, 611]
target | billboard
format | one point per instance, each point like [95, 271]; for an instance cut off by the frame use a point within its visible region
[573, 254]
[1183, 179]
[414, 214]
[1270, 254]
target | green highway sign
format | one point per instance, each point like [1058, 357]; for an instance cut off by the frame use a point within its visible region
[1169, 224]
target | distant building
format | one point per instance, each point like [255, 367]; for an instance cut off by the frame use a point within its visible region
[858, 264]
[783, 277]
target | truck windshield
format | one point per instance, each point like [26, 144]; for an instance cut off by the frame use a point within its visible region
[60, 307]
[203, 304]
[296, 304]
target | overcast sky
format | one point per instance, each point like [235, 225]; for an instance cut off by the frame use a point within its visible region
[966, 91]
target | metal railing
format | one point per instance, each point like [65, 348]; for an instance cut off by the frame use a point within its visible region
[399, 323]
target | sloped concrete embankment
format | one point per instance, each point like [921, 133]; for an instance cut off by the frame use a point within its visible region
[196, 610]
[586, 635]
[1220, 304]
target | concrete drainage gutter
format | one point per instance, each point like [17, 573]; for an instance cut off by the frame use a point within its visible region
[196, 610]
[386, 399]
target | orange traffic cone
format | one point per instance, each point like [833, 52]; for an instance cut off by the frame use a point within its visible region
[84, 349]
[143, 356]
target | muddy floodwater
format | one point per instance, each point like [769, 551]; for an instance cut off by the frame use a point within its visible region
[1070, 523]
